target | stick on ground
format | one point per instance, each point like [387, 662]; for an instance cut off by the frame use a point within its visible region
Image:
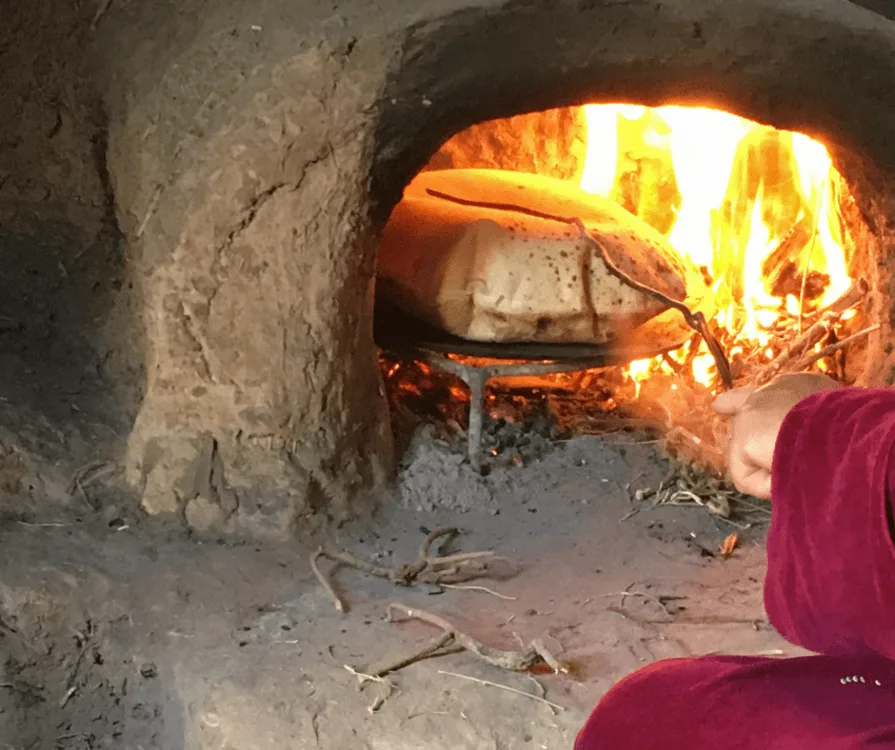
[339, 604]
[483, 589]
[503, 687]
[439, 570]
[514, 661]
[441, 646]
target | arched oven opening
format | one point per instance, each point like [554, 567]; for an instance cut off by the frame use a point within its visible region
[606, 269]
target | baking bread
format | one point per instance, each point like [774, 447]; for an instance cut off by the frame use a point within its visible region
[496, 273]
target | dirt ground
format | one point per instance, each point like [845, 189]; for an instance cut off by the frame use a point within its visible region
[117, 632]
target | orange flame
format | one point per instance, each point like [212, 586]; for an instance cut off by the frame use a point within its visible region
[756, 207]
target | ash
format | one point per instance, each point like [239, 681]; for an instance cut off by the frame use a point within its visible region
[523, 428]
[435, 472]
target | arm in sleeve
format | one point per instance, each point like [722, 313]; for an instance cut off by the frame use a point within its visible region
[830, 585]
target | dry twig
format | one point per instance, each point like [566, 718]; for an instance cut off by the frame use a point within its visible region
[514, 661]
[797, 355]
[812, 357]
[642, 595]
[688, 484]
[441, 646]
[339, 604]
[86, 643]
[364, 678]
[796, 348]
[488, 683]
[483, 589]
[85, 476]
[696, 320]
[438, 570]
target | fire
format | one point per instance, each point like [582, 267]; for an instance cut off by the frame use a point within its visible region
[756, 207]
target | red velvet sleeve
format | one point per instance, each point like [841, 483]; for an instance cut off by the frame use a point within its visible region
[830, 584]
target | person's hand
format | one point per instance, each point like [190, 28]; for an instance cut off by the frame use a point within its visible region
[757, 418]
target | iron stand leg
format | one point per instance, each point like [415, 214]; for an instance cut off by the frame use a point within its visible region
[476, 380]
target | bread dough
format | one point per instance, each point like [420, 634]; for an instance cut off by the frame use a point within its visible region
[502, 275]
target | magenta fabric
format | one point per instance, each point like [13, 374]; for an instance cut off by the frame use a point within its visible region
[830, 588]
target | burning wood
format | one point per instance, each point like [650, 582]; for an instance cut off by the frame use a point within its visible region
[785, 270]
[797, 352]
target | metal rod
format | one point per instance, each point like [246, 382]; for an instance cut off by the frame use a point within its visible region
[476, 378]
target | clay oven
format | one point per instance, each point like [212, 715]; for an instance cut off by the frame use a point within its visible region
[256, 152]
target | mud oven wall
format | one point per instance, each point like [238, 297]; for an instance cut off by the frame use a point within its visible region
[255, 151]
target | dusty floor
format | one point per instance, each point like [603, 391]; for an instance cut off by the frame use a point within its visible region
[121, 633]
[115, 634]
